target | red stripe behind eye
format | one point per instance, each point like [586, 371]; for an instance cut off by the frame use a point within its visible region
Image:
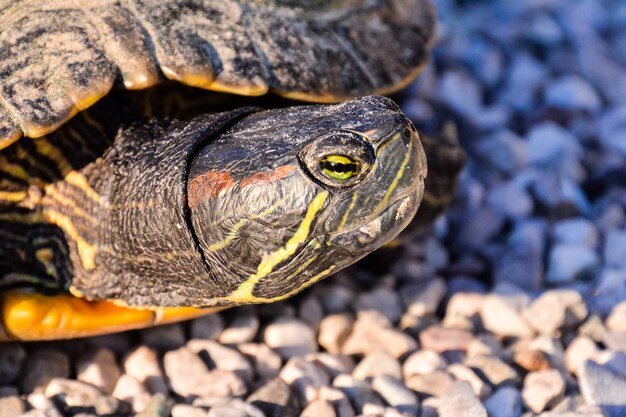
[208, 185]
[262, 177]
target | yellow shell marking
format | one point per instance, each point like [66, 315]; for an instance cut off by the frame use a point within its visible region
[243, 293]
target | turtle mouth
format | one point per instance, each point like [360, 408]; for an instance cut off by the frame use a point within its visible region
[383, 228]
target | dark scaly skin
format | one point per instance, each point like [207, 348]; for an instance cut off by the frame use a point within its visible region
[57, 58]
[151, 220]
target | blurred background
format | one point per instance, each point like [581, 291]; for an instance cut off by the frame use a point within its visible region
[513, 304]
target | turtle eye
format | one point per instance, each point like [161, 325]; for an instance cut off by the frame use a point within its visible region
[339, 167]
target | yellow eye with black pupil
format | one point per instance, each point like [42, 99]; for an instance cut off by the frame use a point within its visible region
[339, 167]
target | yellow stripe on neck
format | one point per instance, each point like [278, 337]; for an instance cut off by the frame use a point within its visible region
[244, 293]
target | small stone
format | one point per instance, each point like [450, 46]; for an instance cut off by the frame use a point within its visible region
[75, 396]
[359, 392]
[275, 399]
[372, 332]
[612, 129]
[11, 405]
[49, 412]
[492, 369]
[39, 401]
[336, 298]
[615, 361]
[207, 327]
[12, 356]
[334, 364]
[505, 402]
[319, 408]
[573, 93]
[377, 364]
[578, 351]
[430, 406]
[304, 378]
[531, 360]
[266, 362]
[339, 401]
[158, 406]
[503, 318]
[463, 311]
[164, 337]
[463, 373]
[556, 310]
[383, 300]
[334, 330]
[459, 400]
[423, 362]
[132, 391]
[576, 231]
[43, 366]
[188, 375]
[485, 344]
[569, 263]
[601, 386]
[615, 341]
[504, 151]
[100, 369]
[553, 348]
[441, 339]
[242, 328]
[616, 321]
[290, 337]
[511, 200]
[423, 300]
[435, 384]
[143, 365]
[186, 410]
[234, 408]
[543, 389]
[396, 394]
[554, 148]
[222, 357]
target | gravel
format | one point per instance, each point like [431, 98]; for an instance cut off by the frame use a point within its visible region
[514, 304]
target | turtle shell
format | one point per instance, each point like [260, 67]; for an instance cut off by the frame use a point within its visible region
[61, 56]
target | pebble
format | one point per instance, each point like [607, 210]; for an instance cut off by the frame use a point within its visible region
[555, 310]
[377, 364]
[573, 93]
[601, 386]
[222, 357]
[158, 406]
[511, 200]
[383, 300]
[569, 263]
[43, 366]
[615, 249]
[334, 330]
[12, 357]
[422, 300]
[265, 361]
[319, 408]
[554, 148]
[274, 399]
[577, 231]
[290, 337]
[186, 410]
[616, 321]
[310, 311]
[503, 318]
[305, 378]
[242, 328]
[334, 364]
[459, 400]
[75, 396]
[188, 375]
[578, 351]
[339, 401]
[143, 365]
[435, 384]
[505, 402]
[423, 362]
[463, 373]
[49, 412]
[372, 332]
[463, 311]
[492, 369]
[441, 339]
[612, 129]
[393, 391]
[99, 368]
[207, 327]
[543, 389]
[504, 150]
[10, 403]
[132, 391]
[235, 408]
[531, 359]
[359, 392]
[522, 262]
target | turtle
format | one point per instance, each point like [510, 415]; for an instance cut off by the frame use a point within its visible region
[141, 183]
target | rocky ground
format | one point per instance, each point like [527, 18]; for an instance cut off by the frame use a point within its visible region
[515, 305]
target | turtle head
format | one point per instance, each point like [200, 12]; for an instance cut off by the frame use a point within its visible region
[285, 197]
